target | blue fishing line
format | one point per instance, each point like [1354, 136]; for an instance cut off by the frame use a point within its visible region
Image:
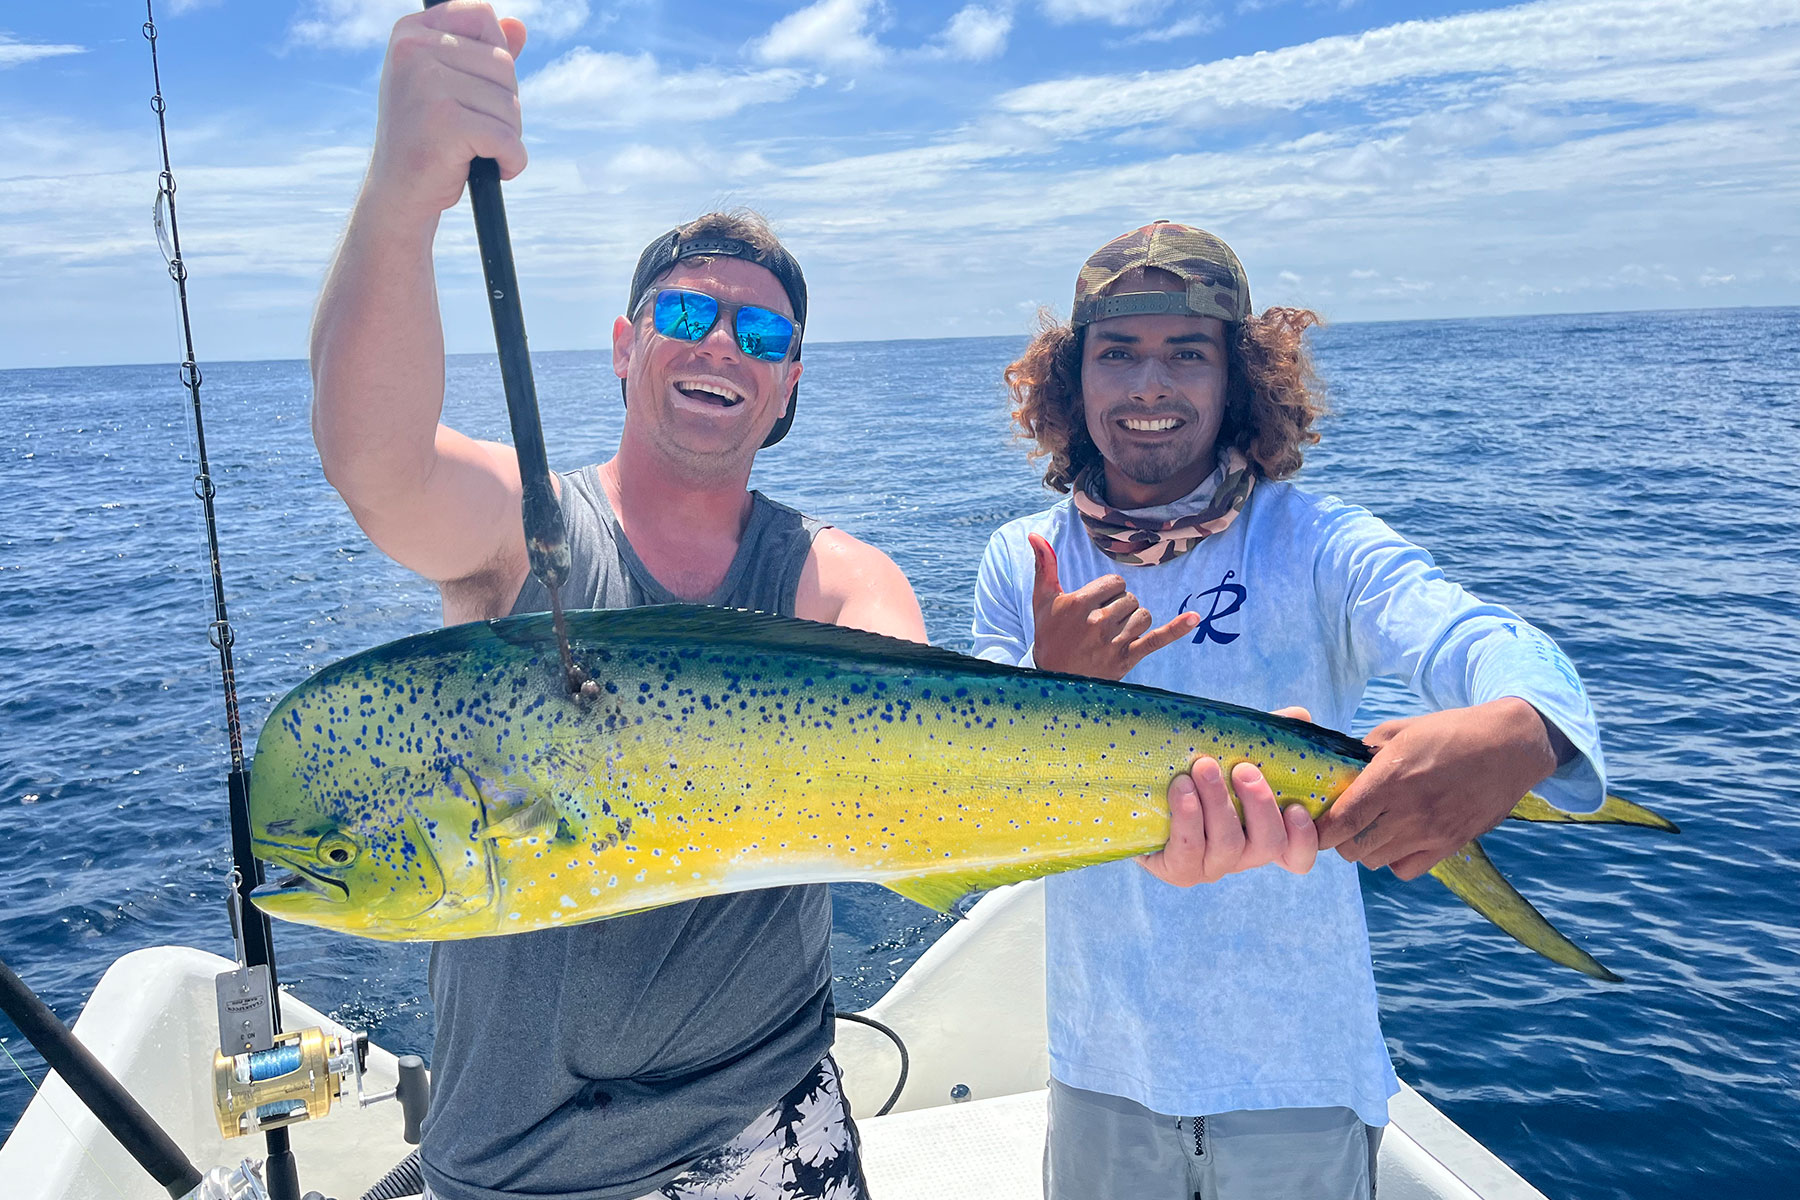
[281, 1108]
[268, 1064]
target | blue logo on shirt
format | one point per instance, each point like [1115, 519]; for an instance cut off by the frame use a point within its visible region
[1548, 653]
[1231, 595]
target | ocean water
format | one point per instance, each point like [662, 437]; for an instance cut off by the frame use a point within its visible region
[1628, 481]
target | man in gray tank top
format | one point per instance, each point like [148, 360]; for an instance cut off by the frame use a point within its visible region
[684, 1051]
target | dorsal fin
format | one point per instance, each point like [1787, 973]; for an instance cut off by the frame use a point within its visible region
[760, 632]
[713, 626]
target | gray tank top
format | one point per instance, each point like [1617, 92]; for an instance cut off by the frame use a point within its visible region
[595, 1062]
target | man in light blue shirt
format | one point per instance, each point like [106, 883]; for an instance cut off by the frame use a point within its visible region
[1224, 1041]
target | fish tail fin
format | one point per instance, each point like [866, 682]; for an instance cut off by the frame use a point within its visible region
[1477, 882]
[1612, 811]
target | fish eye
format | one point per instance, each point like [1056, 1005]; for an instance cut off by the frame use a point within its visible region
[337, 850]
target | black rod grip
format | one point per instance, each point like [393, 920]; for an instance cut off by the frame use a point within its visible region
[105, 1097]
[258, 936]
[281, 1174]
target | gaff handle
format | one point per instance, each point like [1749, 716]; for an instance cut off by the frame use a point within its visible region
[545, 541]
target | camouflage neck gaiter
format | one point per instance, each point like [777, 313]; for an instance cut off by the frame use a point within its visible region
[1145, 537]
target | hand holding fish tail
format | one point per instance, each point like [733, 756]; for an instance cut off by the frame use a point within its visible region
[1436, 783]
[1098, 630]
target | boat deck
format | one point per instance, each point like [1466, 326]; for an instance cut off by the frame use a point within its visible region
[966, 1011]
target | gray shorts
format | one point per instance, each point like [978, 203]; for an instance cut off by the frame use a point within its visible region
[1102, 1147]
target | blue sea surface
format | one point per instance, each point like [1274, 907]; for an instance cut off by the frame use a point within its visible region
[1630, 482]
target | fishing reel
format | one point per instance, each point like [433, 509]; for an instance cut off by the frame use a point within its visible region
[296, 1079]
[299, 1077]
[279, 1079]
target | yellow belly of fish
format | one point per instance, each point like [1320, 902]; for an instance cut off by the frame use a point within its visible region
[747, 810]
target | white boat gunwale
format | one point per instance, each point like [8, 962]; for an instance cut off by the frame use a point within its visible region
[970, 1010]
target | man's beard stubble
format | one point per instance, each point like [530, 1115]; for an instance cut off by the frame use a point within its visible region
[1151, 466]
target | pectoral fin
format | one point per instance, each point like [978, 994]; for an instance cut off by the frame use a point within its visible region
[1612, 811]
[1478, 884]
[536, 819]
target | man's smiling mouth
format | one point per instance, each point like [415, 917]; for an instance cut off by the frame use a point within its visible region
[1150, 424]
[710, 391]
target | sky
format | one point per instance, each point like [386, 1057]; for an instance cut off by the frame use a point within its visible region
[939, 168]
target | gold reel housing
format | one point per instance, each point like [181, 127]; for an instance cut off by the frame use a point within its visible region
[295, 1080]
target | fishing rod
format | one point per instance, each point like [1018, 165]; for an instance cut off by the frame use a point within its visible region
[545, 541]
[264, 1079]
[250, 1017]
[95, 1086]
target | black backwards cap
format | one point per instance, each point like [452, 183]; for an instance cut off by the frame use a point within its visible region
[663, 253]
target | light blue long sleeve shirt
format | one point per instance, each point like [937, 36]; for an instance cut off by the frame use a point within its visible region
[1257, 992]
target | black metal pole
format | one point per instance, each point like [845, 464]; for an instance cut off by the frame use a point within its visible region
[545, 543]
[544, 535]
[123, 1117]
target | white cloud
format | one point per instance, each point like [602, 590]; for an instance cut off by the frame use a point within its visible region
[1193, 26]
[831, 32]
[1546, 40]
[645, 162]
[15, 53]
[631, 167]
[1117, 12]
[872, 179]
[975, 34]
[593, 89]
[1578, 155]
[359, 24]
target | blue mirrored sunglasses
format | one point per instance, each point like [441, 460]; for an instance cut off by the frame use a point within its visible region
[690, 316]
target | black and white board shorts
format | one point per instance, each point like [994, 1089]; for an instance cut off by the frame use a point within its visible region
[803, 1147]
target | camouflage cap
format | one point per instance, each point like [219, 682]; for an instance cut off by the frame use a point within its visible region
[1216, 285]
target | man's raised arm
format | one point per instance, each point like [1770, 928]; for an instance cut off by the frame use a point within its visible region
[434, 500]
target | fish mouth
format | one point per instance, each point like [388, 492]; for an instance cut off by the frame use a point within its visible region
[301, 883]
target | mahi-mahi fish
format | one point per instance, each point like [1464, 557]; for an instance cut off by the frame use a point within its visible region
[447, 785]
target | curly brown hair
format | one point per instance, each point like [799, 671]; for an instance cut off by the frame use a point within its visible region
[1272, 396]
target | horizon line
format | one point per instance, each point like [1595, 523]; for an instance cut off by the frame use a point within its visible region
[989, 337]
